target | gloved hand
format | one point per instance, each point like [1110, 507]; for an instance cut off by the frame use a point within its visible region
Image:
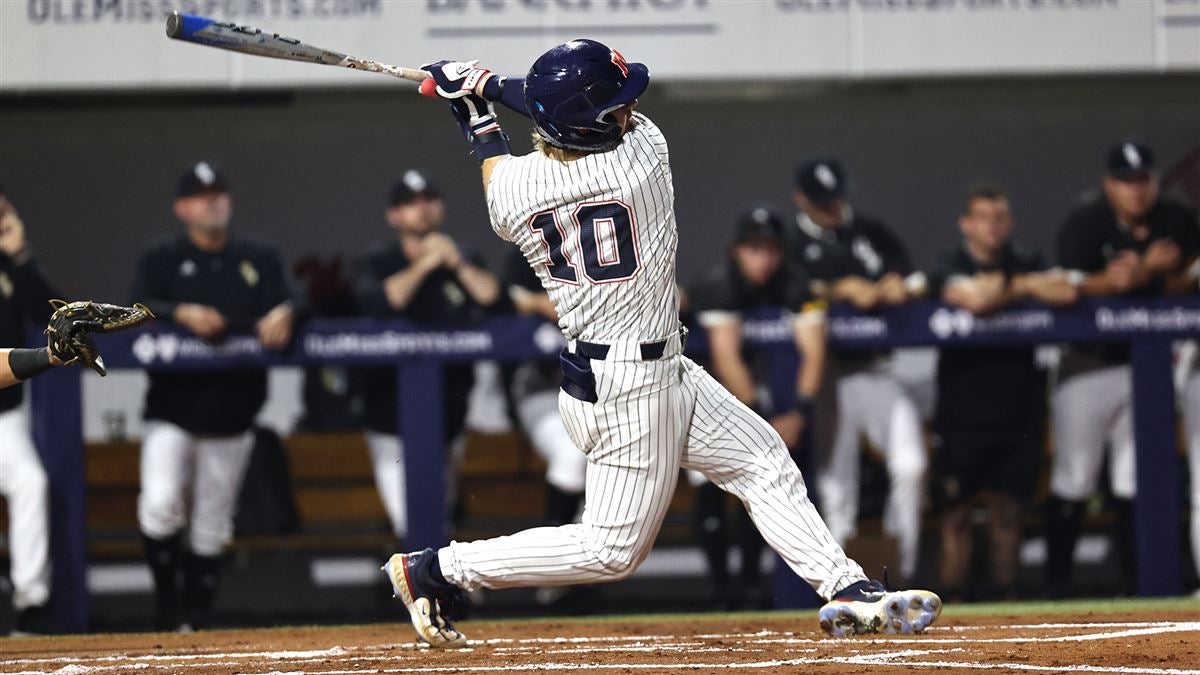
[456, 79]
[477, 119]
[70, 329]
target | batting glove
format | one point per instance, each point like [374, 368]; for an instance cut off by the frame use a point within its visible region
[477, 119]
[456, 79]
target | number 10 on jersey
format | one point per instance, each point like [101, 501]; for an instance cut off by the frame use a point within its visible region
[603, 236]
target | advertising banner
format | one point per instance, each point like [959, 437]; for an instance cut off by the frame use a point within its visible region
[121, 44]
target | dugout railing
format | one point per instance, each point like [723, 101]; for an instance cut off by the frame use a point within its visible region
[418, 352]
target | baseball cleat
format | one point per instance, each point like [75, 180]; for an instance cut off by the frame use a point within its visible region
[868, 607]
[425, 598]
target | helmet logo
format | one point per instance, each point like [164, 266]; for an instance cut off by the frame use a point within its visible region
[619, 62]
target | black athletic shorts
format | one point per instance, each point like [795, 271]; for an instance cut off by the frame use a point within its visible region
[968, 461]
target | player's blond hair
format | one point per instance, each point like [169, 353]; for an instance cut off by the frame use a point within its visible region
[554, 152]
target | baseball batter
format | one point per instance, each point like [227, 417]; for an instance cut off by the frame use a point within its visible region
[592, 211]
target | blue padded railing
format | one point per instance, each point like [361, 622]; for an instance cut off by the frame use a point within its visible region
[418, 352]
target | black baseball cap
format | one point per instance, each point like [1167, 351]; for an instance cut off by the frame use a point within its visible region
[1130, 160]
[201, 178]
[409, 185]
[758, 223]
[821, 180]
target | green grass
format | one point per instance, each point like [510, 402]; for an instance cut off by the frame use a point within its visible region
[1033, 609]
[1101, 605]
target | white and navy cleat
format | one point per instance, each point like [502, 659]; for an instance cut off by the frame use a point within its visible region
[868, 607]
[911, 611]
[425, 598]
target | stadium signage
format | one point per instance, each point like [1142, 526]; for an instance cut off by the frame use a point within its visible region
[1146, 320]
[391, 343]
[119, 44]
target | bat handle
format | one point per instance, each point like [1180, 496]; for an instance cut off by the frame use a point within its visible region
[183, 26]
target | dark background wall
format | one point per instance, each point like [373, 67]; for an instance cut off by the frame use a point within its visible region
[93, 176]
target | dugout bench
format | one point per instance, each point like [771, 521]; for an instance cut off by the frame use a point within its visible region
[418, 353]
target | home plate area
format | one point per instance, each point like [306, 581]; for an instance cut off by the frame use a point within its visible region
[1123, 643]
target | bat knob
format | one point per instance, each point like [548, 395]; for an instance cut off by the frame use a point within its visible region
[428, 88]
[174, 24]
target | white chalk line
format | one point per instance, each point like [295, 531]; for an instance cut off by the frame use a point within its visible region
[1044, 626]
[141, 662]
[1052, 669]
[888, 659]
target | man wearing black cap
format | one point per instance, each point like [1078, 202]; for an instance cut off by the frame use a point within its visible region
[24, 301]
[756, 275]
[419, 274]
[1125, 241]
[198, 434]
[855, 259]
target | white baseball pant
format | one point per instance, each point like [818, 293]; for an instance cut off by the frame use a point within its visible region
[173, 461]
[23, 484]
[1089, 409]
[874, 403]
[566, 466]
[652, 418]
[387, 464]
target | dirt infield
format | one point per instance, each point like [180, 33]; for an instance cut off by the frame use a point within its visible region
[1152, 642]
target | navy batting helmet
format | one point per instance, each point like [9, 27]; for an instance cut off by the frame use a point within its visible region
[571, 89]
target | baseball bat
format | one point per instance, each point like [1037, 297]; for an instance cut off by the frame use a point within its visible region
[249, 40]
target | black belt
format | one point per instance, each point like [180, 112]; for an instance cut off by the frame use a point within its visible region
[651, 351]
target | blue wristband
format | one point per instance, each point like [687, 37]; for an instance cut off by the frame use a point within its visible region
[487, 139]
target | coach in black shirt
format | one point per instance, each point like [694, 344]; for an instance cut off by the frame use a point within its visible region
[857, 260]
[419, 274]
[990, 420]
[24, 303]
[1127, 240]
[199, 436]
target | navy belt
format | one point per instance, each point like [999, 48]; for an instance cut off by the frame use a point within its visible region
[651, 351]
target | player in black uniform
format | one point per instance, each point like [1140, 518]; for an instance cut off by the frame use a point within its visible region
[755, 276]
[419, 274]
[198, 435]
[991, 411]
[24, 301]
[855, 259]
[1128, 240]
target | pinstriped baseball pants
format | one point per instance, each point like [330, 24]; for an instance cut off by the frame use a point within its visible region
[651, 419]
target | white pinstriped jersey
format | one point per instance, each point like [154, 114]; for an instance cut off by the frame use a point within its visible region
[600, 233]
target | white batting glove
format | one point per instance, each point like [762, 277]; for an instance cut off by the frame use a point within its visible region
[456, 79]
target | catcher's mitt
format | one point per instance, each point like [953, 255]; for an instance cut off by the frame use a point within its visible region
[73, 323]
